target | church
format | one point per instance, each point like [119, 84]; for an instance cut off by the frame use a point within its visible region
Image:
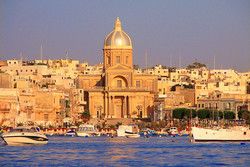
[118, 92]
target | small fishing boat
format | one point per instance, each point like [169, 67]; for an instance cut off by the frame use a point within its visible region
[71, 131]
[24, 135]
[132, 135]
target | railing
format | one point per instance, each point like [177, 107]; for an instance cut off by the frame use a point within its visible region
[121, 89]
[126, 89]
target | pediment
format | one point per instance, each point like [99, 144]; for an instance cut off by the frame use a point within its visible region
[119, 67]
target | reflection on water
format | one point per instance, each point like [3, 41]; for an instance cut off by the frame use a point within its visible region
[105, 151]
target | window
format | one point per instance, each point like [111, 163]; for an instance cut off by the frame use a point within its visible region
[127, 60]
[117, 59]
[199, 105]
[29, 115]
[108, 60]
[138, 84]
[202, 105]
[46, 117]
[198, 87]
[119, 83]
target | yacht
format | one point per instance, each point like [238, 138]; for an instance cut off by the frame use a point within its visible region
[24, 135]
[87, 130]
[233, 134]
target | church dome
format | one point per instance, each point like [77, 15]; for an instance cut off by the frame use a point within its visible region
[118, 39]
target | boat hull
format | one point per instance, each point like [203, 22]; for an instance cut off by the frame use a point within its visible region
[15, 140]
[132, 135]
[220, 135]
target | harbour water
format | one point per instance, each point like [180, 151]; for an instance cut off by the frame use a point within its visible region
[107, 151]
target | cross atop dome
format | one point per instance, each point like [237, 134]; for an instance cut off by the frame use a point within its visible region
[118, 25]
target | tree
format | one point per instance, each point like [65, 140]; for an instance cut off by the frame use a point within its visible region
[246, 116]
[229, 115]
[190, 86]
[20, 124]
[217, 114]
[187, 113]
[203, 113]
[118, 124]
[196, 65]
[85, 116]
[173, 88]
[136, 67]
[104, 125]
[178, 113]
[240, 113]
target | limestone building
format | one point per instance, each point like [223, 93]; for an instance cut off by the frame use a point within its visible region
[118, 92]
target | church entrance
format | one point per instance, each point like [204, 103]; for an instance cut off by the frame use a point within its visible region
[118, 107]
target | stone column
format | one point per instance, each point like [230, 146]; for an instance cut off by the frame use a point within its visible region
[125, 107]
[105, 105]
[109, 108]
[112, 110]
[130, 105]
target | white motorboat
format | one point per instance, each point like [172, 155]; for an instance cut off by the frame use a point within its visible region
[173, 131]
[87, 130]
[234, 134]
[24, 135]
[125, 129]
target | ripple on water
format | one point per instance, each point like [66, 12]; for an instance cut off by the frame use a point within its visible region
[105, 151]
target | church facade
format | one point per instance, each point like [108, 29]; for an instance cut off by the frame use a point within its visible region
[118, 92]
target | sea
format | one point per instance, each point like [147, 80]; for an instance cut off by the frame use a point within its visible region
[120, 151]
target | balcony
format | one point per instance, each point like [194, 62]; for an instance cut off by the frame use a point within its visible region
[29, 108]
[4, 110]
[121, 89]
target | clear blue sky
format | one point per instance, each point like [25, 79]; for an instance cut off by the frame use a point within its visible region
[193, 29]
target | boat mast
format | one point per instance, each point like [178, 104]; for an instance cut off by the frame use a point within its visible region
[190, 134]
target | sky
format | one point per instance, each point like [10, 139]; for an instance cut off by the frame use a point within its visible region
[187, 30]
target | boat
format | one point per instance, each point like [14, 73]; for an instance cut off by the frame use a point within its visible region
[185, 132]
[87, 130]
[233, 134]
[173, 131]
[71, 131]
[132, 135]
[24, 135]
[147, 131]
[124, 129]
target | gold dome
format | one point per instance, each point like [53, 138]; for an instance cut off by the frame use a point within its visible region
[118, 39]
